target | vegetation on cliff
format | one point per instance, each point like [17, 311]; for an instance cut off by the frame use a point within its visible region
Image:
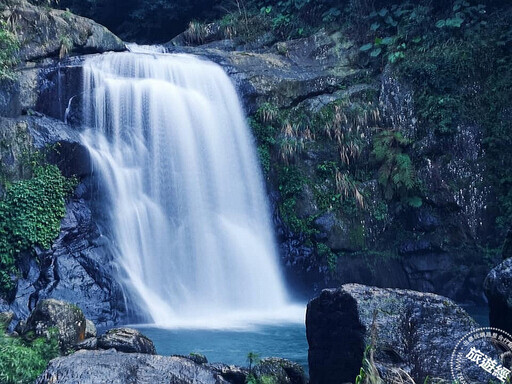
[30, 214]
[9, 46]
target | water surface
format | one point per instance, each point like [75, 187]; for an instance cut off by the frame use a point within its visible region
[231, 347]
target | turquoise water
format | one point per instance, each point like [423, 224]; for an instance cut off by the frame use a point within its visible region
[231, 347]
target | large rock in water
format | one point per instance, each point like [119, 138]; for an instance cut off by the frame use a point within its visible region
[498, 289]
[126, 340]
[67, 318]
[412, 331]
[91, 367]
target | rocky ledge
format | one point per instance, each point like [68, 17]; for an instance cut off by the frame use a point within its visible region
[46, 32]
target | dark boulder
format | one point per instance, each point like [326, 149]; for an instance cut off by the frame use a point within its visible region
[231, 373]
[67, 318]
[410, 331]
[281, 370]
[91, 367]
[91, 344]
[498, 289]
[126, 340]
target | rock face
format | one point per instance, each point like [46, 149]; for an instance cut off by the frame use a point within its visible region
[498, 289]
[79, 267]
[67, 318]
[126, 340]
[90, 367]
[286, 74]
[412, 331]
[48, 32]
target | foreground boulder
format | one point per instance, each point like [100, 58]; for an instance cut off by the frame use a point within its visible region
[410, 331]
[110, 366]
[66, 318]
[281, 370]
[498, 289]
[126, 340]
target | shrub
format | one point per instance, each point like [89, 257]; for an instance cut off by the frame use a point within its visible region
[22, 361]
[9, 46]
[30, 216]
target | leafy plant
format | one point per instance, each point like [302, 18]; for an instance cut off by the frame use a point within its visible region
[22, 361]
[253, 359]
[66, 44]
[30, 215]
[9, 46]
[396, 173]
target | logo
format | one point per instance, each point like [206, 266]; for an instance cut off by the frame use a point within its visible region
[481, 356]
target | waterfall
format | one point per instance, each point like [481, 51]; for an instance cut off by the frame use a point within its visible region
[187, 205]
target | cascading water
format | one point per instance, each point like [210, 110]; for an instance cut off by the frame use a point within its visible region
[187, 205]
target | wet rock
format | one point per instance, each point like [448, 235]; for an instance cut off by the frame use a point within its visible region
[126, 340]
[90, 343]
[10, 103]
[231, 373]
[67, 318]
[498, 289]
[90, 329]
[281, 370]
[90, 367]
[412, 331]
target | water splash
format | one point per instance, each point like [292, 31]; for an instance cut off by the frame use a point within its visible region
[188, 209]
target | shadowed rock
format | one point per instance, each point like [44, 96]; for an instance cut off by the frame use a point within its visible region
[410, 331]
[498, 289]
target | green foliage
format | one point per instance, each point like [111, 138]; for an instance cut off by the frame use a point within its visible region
[463, 75]
[265, 132]
[253, 359]
[9, 46]
[396, 173]
[30, 215]
[328, 255]
[22, 361]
